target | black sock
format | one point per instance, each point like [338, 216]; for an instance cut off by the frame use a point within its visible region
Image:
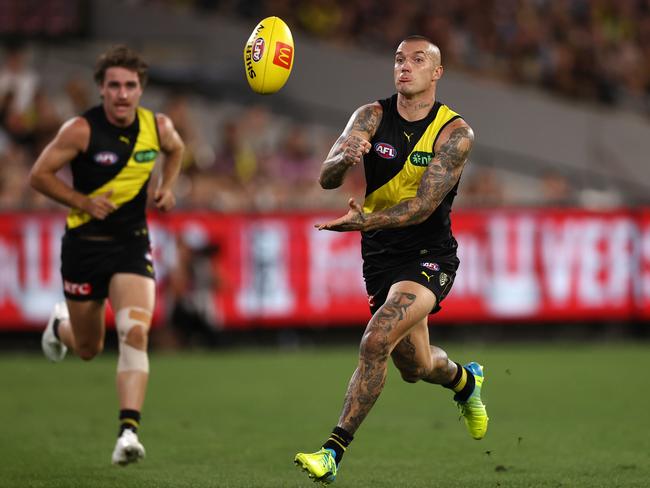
[463, 383]
[129, 419]
[338, 441]
[55, 328]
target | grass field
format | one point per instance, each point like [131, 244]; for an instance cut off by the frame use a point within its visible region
[561, 416]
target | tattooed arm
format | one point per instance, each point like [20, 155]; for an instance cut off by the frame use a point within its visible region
[451, 151]
[350, 147]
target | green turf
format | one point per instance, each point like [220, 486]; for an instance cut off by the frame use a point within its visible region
[561, 416]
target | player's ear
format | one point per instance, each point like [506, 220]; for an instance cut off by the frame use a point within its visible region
[437, 72]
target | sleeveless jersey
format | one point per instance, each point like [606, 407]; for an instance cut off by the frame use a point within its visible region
[401, 151]
[119, 160]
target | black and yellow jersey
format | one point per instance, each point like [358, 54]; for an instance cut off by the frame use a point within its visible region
[400, 153]
[119, 160]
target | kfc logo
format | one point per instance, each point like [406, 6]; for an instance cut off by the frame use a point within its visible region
[77, 289]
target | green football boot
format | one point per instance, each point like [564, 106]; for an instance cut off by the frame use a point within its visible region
[473, 410]
[320, 466]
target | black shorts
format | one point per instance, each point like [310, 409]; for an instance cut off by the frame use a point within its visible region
[87, 266]
[437, 276]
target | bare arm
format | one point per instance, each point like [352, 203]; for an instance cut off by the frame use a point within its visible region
[352, 144]
[452, 150]
[72, 139]
[172, 146]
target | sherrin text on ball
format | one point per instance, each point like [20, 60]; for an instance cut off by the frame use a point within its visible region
[268, 56]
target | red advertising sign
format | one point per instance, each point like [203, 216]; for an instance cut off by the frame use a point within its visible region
[549, 265]
[278, 271]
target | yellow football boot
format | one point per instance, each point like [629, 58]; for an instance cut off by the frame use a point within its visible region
[473, 410]
[320, 466]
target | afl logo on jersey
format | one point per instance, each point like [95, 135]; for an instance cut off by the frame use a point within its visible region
[431, 266]
[106, 158]
[258, 49]
[386, 151]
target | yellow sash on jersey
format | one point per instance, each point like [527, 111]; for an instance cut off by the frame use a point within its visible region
[129, 181]
[405, 184]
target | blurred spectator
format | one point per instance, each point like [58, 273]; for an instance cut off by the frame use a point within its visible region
[17, 78]
[14, 169]
[237, 158]
[27, 115]
[76, 98]
[320, 17]
[556, 190]
[45, 122]
[294, 163]
[193, 282]
[178, 110]
[222, 184]
[18, 88]
[480, 187]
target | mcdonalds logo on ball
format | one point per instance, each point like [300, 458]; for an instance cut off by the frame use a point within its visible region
[283, 55]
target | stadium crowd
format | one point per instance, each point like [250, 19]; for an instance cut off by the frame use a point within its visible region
[597, 51]
[225, 171]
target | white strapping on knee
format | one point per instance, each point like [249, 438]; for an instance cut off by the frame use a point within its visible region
[131, 358]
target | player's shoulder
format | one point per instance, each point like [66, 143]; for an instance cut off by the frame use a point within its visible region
[168, 135]
[164, 122]
[75, 128]
[76, 124]
[374, 108]
[367, 118]
[459, 123]
[455, 122]
[457, 131]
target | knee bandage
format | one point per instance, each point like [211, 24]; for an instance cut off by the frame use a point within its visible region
[131, 358]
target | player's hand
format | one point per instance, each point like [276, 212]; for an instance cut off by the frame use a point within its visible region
[353, 149]
[353, 220]
[164, 199]
[100, 206]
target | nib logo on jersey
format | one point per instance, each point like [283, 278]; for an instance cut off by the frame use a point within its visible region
[145, 156]
[385, 150]
[77, 289]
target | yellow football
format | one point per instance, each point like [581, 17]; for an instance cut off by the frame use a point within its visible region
[268, 56]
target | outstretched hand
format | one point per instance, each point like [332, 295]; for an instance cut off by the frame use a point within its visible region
[353, 220]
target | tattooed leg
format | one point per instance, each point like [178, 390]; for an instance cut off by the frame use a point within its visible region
[443, 370]
[368, 380]
[417, 360]
[412, 363]
[406, 305]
